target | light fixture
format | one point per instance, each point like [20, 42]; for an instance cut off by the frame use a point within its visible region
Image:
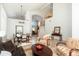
[20, 15]
[33, 29]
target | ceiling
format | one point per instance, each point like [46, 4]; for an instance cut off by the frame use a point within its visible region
[14, 10]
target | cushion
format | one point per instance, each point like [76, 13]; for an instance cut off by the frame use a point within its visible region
[63, 49]
[24, 36]
[72, 43]
[75, 53]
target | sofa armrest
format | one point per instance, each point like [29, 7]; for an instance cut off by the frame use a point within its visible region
[9, 46]
[60, 43]
[72, 50]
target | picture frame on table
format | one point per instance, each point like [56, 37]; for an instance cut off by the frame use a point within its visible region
[57, 29]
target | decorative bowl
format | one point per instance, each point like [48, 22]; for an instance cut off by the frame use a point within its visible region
[39, 47]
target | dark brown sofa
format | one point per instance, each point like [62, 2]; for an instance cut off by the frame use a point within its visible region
[9, 46]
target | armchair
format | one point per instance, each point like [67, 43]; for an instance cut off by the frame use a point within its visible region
[69, 47]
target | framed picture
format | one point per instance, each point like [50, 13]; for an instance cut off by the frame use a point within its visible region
[57, 30]
[19, 29]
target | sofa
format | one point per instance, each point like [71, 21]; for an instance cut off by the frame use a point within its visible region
[7, 46]
[68, 47]
[11, 47]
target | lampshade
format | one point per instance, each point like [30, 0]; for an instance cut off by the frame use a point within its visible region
[33, 29]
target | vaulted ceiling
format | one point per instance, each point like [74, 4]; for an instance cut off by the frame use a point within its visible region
[18, 10]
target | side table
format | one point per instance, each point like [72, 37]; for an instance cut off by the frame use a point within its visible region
[58, 35]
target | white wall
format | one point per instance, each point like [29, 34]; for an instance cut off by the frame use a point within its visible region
[62, 16]
[28, 22]
[3, 23]
[11, 27]
[0, 16]
[27, 26]
[75, 18]
[13, 22]
[3, 19]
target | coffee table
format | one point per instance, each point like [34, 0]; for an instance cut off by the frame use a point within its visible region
[46, 51]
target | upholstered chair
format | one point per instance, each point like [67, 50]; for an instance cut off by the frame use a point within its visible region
[68, 47]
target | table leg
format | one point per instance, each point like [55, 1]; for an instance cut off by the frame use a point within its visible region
[60, 38]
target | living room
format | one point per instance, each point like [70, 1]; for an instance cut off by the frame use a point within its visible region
[26, 26]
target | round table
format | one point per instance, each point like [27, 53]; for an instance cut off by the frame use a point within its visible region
[5, 53]
[46, 51]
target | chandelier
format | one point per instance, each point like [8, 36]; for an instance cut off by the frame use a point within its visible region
[20, 14]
